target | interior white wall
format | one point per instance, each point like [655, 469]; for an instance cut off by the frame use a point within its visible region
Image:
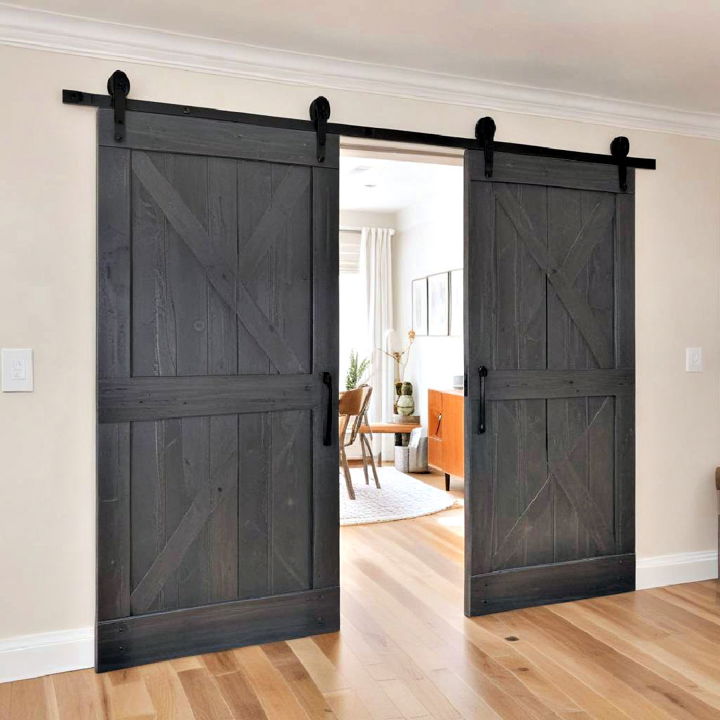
[47, 301]
[429, 240]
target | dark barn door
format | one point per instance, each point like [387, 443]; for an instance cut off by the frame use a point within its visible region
[217, 495]
[550, 305]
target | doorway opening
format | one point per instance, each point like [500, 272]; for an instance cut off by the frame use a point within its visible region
[401, 362]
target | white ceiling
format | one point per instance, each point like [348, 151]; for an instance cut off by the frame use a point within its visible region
[381, 185]
[660, 52]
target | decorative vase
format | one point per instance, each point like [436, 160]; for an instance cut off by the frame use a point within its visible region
[405, 403]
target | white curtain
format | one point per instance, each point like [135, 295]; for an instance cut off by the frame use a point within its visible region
[376, 273]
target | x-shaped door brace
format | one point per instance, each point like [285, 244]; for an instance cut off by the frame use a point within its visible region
[202, 507]
[594, 519]
[221, 275]
[562, 277]
[232, 289]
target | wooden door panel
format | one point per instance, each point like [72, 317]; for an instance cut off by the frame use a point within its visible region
[184, 492]
[549, 286]
[520, 297]
[217, 302]
[523, 520]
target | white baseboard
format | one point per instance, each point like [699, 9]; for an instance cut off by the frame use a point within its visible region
[29, 656]
[660, 570]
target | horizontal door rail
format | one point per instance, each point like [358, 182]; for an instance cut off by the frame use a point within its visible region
[79, 97]
[539, 384]
[157, 398]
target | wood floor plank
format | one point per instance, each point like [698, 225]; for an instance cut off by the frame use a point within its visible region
[347, 705]
[129, 700]
[278, 701]
[240, 696]
[220, 663]
[24, 700]
[166, 692]
[80, 696]
[652, 655]
[296, 676]
[324, 674]
[462, 660]
[373, 697]
[205, 698]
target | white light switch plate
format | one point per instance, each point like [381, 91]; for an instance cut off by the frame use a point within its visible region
[17, 369]
[693, 359]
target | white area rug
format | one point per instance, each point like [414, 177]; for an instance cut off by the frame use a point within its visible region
[399, 497]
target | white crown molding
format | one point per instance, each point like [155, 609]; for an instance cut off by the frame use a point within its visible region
[660, 570]
[29, 656]
[80, 36]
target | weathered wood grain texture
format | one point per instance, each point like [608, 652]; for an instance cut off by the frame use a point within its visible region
[549, 248]
[218, 302]
[326, 501]
[548, 172]
[529, 384]
[142, 398]
[552, 583]
[159, 636]
[113, 497]
[214, 138]
[479, 290]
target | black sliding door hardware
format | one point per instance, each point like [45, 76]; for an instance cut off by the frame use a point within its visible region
[118, 86]
[319, 124]
[619, 149]
[319, 115]
[485, 133]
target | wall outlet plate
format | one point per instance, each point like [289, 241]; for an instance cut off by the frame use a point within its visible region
[17, 369]
[693, 359]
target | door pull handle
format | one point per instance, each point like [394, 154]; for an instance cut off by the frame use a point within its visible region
[482, 372]
[327, 432]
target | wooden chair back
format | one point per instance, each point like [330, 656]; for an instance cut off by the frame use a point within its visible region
[352, 406]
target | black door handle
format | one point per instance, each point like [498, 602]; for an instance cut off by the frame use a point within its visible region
[327, 433]
[482, 372]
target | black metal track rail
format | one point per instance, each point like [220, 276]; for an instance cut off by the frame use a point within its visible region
[78, 97]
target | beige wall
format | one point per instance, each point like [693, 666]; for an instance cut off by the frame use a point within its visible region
[47, 301]
[430, 239]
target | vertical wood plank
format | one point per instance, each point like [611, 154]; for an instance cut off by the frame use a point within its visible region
[154, 347]
[479, 324]
[625, 357]
[113, 340]
[113, 543]
[221, 547]
[254, 188]
[325, 320]
[113, 344]
[189, 292]
[292, 266]
[254, 491]
[291, 502]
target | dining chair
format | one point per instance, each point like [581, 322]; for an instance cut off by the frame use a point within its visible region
[352, 410]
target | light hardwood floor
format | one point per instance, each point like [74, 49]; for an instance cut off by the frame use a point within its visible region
[406, 651]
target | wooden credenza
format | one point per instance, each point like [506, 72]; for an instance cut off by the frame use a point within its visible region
[446, 436]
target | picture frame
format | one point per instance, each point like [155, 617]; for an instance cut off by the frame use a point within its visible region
[438, 304]
[420, 306]
[456, 303]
